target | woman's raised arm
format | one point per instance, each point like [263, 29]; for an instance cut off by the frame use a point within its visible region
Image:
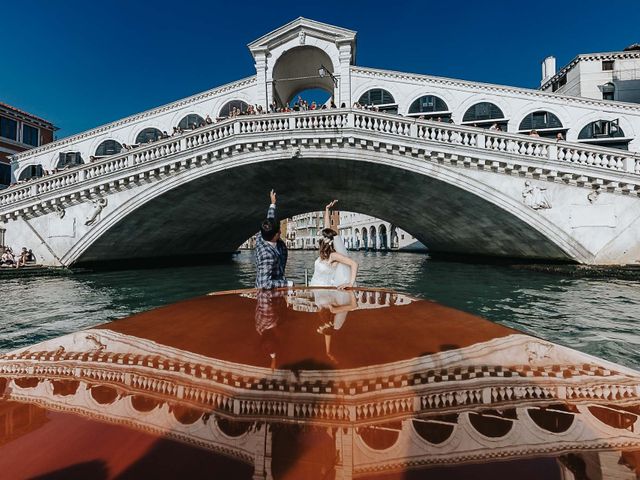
[327, 213]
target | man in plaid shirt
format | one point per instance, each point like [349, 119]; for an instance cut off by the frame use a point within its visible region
[271, 252]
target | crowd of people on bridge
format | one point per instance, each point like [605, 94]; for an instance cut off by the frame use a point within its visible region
[299, 105]
[11, 260]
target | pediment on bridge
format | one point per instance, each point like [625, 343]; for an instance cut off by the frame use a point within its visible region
[299, 31]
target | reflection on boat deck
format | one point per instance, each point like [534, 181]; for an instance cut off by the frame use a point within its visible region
[314, 384]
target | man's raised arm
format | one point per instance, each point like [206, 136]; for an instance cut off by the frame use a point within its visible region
[271, 213]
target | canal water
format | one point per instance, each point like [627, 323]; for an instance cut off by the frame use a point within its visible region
[596, 316]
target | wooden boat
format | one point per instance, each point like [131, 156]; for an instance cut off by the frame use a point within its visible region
[313, 383]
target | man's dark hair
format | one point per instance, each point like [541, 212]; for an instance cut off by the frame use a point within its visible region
[269, 228]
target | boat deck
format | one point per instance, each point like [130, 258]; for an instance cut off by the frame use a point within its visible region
[313, 383]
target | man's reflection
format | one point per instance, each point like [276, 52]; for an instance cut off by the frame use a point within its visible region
[333, 306]
[269, 305]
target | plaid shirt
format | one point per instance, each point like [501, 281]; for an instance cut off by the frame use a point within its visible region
[269, 305]
[270, 260]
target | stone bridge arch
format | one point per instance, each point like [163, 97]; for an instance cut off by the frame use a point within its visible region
[216, 207]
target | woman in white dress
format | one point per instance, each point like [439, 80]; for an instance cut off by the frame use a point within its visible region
[333, 267]
[333, 307]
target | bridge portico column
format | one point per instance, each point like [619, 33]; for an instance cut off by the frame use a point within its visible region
[344, 69]
[262, 95]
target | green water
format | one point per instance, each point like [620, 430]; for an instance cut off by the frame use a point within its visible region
[596, 316]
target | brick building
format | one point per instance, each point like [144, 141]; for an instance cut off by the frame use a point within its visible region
[19, 131]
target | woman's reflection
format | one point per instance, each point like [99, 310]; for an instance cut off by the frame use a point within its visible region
[333, 306]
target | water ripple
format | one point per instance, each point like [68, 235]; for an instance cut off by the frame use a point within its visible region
[596, 316]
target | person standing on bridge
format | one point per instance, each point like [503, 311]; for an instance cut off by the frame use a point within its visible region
[271, 252]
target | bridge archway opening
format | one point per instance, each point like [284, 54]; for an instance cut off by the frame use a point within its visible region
[430, 107]
[233, 108]
[314, 98]
[191, 121]
[605, 133]
[378, 99]
[148, 135]
[485, 115]
[32, 171]
[108, 147]
[69, 159]
[545, 124]
[300, 69]
[187, 219]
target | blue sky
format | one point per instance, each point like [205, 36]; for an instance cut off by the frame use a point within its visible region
[81, 64]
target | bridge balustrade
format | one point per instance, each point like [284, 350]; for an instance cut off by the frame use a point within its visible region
[332, 120]
[211, 134]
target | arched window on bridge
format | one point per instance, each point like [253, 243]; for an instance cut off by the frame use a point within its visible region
[606, 133]
[32, 171]
[228, 108]
[545, 123]
[68, 160]
[485, 115]
[108, 147]
[148, 135]
[430, 107]
[379, 99]
[191, 121]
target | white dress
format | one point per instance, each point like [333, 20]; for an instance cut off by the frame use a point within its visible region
[327, 275]
[333, 298]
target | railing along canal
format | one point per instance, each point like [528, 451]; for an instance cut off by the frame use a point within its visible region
[336, 120]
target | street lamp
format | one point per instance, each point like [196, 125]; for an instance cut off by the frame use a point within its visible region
[324, 71]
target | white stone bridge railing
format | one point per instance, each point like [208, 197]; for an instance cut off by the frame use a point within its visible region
[410, 133]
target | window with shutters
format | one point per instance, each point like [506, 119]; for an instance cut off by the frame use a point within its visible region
[608, 91]
[607, 65]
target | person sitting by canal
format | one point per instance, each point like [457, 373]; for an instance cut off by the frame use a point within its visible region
[7, 258]
[23, 259]
[271, 252]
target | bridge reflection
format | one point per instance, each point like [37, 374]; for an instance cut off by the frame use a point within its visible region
[364, 383]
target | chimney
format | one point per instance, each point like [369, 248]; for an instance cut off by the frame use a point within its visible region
[548, 68]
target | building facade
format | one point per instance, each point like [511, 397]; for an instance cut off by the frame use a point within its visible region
[305, 230]
[610, 76]
[364, 232]
[20, 131]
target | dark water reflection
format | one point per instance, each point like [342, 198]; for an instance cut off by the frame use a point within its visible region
[595, 316]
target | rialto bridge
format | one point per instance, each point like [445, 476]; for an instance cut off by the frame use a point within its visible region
[423, 159]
